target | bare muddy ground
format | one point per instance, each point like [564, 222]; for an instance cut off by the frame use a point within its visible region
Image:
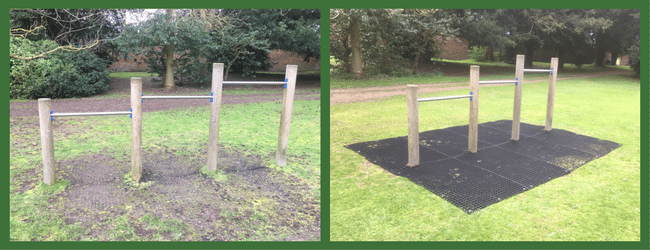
[252, 202]
[175, 200]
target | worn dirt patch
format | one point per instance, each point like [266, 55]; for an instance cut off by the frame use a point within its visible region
[253, 202]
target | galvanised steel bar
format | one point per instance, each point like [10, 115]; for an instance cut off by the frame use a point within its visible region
[497, 81]
[254, 82]
[444, 98]
[538, 70]
[177, 97]
[91, 113]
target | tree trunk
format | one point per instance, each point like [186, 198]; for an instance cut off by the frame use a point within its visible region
[530, 53]
[415, 66]
[600, 55]
[489, 54]
[169, 60]
[355, 44]
[169, 67]
[614, 58]
[560, 58]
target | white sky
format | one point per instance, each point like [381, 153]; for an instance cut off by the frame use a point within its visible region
[135, 17]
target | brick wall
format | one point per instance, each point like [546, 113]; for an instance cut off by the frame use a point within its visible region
[280, 59]
[454, 49]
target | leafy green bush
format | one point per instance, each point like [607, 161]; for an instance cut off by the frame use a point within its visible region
[25, 74]
[478, 54]
[57, 75]
[635, 58]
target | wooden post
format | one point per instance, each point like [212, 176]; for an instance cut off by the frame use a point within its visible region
[47, 143]
[215, 114]
[136, 128]
[516, 113]
[473, 109]
[285, 119]
[551, 95]
[413, 125]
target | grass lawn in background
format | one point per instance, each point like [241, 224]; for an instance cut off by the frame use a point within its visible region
[597, 202]
[454, 71]
[250, 198]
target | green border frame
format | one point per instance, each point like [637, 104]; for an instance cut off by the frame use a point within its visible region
[643, 5]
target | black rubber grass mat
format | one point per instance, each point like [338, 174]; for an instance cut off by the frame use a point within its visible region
[500, 169]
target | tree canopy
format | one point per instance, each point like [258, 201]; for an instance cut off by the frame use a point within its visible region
[377, 41]
[384, 40]
[241, 39]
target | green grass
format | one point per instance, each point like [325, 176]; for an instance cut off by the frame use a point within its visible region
[456, 71]
[248, 128]
[597, 202]
[128, 75]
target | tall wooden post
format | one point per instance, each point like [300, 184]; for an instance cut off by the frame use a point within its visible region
[285, 119]
[473, 109]
[215, 114]
[413, 125]
[516, 113]
[551, 95]
[47, 143]
[136, 128]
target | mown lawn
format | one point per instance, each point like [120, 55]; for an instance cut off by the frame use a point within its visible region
[599, 201]
[450, 71]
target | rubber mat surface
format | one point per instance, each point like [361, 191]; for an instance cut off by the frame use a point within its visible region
[500, 169]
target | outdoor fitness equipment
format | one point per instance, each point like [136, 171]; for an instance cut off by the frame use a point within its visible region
[46, 116]
[413, 102]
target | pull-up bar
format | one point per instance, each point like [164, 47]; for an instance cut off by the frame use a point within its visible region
[46, 116]
[444, 98]
[539, 70]
[255, 82]
[52, 114]
[178, 97]
[497, 81]
[413, 116]
[413, 102]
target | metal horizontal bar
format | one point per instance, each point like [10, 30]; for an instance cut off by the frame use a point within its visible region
[178, 97]
[254, 82]
[91, 113]
[497, 81]
[444, 98]
[538, 70]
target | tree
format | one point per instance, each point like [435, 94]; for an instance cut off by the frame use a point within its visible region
[162, 35]
[294, 30]
[481, 28]
[385, 40]
[241, 39]
[620, 36]
[71, 29]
